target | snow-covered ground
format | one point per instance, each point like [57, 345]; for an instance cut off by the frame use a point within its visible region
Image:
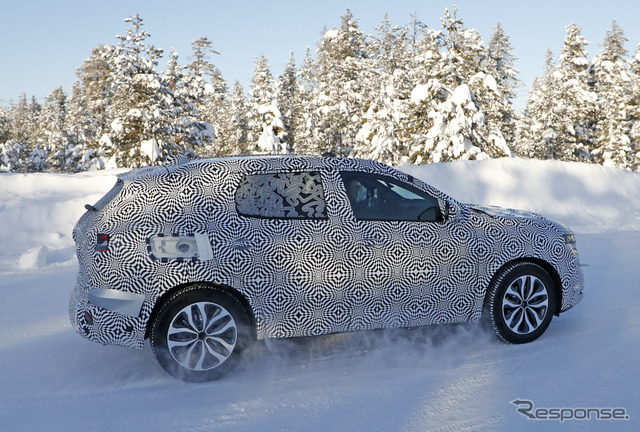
[449, 378]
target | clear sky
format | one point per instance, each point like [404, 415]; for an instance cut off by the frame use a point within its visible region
[43, 42]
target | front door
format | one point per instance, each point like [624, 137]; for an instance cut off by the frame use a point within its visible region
[413, 265]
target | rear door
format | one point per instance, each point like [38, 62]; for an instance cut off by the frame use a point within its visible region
[291, 268]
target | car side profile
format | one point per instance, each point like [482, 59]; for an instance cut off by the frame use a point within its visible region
[204, 256]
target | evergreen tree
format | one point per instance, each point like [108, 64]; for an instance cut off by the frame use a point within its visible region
[238, 109]
[416, 32]
[338, 89]
[174, 75]
[573, 101]
[500, 64]
[12, 158]
[10, 151]
[208, 92]
[463, 51]
[289, 97]
[449, 108]
[201, 48]
[561, 105]
[139, 131]
[457, 126]
[538, 133]
[612, 84]
[215, 111]
[25, 134]
[5, 125]
[187, 130]
[90, 113]
[203, 80]
[267, 129]
[381, 136]
[306, 133]
[635, 110]
[53, 127]
[23, 123]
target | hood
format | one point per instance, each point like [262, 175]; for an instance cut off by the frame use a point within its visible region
[500, 212]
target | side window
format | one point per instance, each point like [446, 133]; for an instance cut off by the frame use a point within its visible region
[281, 195]
[377, 197]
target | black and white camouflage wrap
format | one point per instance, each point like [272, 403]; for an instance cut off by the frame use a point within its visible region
[309, 269]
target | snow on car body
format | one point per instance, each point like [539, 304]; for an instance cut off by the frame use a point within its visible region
[301, 246]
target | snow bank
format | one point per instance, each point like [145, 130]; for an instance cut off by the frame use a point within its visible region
[588, 198]
[38, 211]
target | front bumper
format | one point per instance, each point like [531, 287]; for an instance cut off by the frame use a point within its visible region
[107, 316]
[572, 287]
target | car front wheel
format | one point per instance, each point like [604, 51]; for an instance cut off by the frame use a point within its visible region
[199, 333]
[520, 302]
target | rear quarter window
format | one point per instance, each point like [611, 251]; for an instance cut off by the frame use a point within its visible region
[281, 195]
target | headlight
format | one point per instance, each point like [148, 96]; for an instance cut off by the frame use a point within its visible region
[190, 247]
[570, 239]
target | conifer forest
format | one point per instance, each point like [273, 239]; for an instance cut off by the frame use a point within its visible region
[402, 94]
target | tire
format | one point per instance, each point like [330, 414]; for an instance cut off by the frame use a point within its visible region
[200, 332]
[520, 302]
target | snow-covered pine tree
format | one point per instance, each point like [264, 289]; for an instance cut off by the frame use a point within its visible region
[25, 134]
[537, 135]
[201, 49]
[22, 121]
[189, 132]
[463, 51]
[5, 125]
[338, 91]
[140, 131]
[267, 129]
[635, 109]
[209, 93]
[381, 135]
[306, 139]
[289, 97]
[573, 101]
[238, 109]
[499, 62]
[53, 131]
[37, 159]
[12, 157]
[426, 59]
[450, 106]
[10, 151]
[89, 113]
[416, 32]
[611, 82]
[215, 111]
[195, 88]
[174, 75]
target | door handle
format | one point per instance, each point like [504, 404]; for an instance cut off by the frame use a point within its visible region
[241, 244]
[368, 242]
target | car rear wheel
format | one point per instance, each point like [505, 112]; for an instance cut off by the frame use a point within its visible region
[520, 302]
[199, 333]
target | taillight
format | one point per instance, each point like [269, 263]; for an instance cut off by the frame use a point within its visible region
[103, 243]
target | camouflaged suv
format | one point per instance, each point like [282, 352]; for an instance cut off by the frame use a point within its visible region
[204, 256]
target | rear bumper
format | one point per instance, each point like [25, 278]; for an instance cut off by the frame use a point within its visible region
[109, 317]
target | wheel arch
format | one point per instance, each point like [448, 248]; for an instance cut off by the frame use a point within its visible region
[551, 271]
[160, 301]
